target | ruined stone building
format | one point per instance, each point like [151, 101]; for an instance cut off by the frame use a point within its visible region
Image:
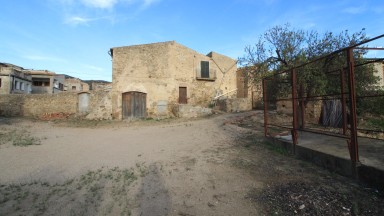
[75, 85]
[100, 85]
[13, 80]
[46, 82]
[156, 79]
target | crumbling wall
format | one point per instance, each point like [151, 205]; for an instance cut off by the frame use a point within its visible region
[312, 111]
[37, 105]
[189, 111]
[100, 105]
[234, 104]
[50, 106]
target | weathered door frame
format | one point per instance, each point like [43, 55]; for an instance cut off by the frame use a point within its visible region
[183, 95]
[134, 105]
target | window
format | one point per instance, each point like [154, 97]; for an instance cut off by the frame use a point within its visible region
[73, 87]
[40, 81]
[205, 73]
[204, 69]
[0, 82]
[22, 86]
[16, 85]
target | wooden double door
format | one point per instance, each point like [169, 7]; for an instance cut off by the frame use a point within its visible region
[134, 105]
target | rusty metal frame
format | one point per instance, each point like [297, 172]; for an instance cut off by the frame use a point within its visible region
[353, 143]
[347, 96]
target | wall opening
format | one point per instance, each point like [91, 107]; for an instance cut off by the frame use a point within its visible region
[83, 102]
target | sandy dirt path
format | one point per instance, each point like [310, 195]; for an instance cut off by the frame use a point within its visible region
[215, 166]
[186, 172]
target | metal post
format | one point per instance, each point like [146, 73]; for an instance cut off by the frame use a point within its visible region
[294, 107]
[352, 106]
[302, 107]
[343, 100]
[265, 107]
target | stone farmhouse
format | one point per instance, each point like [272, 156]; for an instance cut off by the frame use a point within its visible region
[75, 85]
[13, 80]
[46, 82]
[160, 79]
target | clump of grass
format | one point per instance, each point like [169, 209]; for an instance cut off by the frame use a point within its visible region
[99, 192]
[376, 123]
[19, 138]
[275, 148]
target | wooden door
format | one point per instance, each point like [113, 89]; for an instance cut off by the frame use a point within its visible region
[183, 95]
[134, 105]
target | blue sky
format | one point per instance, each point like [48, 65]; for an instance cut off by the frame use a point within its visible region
[73, 36]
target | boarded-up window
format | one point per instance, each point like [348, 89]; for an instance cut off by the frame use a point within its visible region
[183, 95]
[204, 69]
[83, 102]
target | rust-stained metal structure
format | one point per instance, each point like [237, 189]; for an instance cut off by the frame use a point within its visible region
[344, 72]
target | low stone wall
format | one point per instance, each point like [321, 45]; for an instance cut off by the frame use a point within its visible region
[50, 106]
[189, 111]
[234, 104]
[312, 111]
[36, 105]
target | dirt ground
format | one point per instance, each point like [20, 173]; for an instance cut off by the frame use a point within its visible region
[214, 166]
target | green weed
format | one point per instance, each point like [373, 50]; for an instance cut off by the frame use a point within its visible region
[18, 138]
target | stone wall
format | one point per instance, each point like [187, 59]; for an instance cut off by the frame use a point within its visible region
[234, 104]
[100, 105]
[312, 111]
[188, 111]
[43, 105]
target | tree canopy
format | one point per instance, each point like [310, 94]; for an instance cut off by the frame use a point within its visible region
[283, 47]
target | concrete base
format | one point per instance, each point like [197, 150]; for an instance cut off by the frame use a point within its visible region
[366, 174]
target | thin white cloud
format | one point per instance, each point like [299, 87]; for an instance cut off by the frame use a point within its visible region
[109, 4]
[76, 20]
[44, 58]
[148, 3]
[83, 12]
[103, 4]
[354, 10]
[92, 67]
